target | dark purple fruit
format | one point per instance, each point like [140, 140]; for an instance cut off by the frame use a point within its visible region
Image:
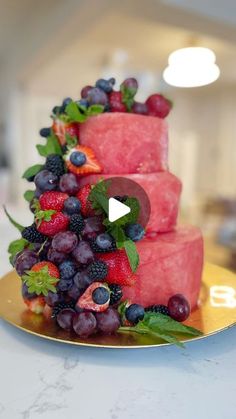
[84, 324]
[179, 307]
[108, 321]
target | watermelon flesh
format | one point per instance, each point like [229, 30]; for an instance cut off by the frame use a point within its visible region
[127, 143]
[170, 264]
[163, 190]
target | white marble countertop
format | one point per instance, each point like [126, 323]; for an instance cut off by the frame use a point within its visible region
[40, 379]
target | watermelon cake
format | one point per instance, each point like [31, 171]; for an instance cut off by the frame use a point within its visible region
[79, 269]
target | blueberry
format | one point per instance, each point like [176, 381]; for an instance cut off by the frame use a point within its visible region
[135, 232]
[134, 313]
[104, 241]
[66, 101]
[45, 132]
[100, 295]
[83, 102]
[65, 284]
[105, 85]
[72, 205]
[97, 96]
[78, 158]
[67, 269]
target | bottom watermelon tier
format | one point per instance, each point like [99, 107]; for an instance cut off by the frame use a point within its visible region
[170, 264]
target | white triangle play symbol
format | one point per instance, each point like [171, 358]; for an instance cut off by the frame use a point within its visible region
[116, 209]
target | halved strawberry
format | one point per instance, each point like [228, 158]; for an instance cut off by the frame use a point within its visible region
[36, 305]
[52, 200]
[55, 223]
[61, 128]
[86, 205]
[119, 270]
[86, 301]
[91, 165]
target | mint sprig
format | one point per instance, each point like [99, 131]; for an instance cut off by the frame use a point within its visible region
[32, 171]
[78, 113]
[18, 226]
[40, 282]
[52, 146]
[127, 94]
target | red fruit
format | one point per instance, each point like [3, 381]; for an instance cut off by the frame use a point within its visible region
[90, 166]
[52, 269]
[58, 222]
[115, 101]
[36, 305]
[119, 270]
[86, 301]
[52, 200]
[61, 128]
[158, 105]
[86, 205]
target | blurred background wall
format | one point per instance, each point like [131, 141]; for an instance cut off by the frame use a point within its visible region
[50, 49]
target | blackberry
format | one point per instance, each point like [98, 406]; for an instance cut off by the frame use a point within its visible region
[158, 308]
[96, 249]
[58, 307]
[76, 223]
[116, 294]
[33, 235]
[97, 270]
[55, 164]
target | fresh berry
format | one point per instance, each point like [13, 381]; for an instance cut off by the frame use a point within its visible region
[36, 305]
[55, 164]
[108, 321]
[115, 294]
[87, 301]
[56, 257]
[179, 307]
[84, 324]
[72, 205]
[65, 318]
[97, 249]
[65, 284]
[85, 91]
[115, 101]
[58, 222]
[53, 298]
[82, 103]
[82, 280]
[32, 235]
[46, 181]
[105, 85]
[134, 313]
[83, 196]
[69, 184]
[61, 128]
[65, 242]
[97, 96]
[140, 108]
[83, 253]
[25, 292]
[52, 269]
[66, 101]
[158, 105]
[119, 270]
[104, 241]
[67, 269]
[56, 110]
[52, 200]
[82, 153]
[134, 231]
[61, 306]
[76, 223]
[97, 270]
[158, 308]
[92, 226]
[45, 132]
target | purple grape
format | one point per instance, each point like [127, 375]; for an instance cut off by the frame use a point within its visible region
[83, 253]
[179, 307]
[97, 96]
[53, 298]
[140, 108]
[56, 257]
[131, 84]
[46, 181]
[93, 226]
[65, 318]
[108, 321]
[84, 324]
[65, 242]
[69, 184]
[82, 280]
[25, 261]
[85, 90]
[65, 284]
[25, 292]
[44, 250]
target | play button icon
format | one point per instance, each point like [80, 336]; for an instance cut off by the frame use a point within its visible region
[117, 210]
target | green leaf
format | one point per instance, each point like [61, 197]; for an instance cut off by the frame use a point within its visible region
[132, 254]
[40, 282]
[94, 110]
[132, 216]
[99, 197]
[15, 247]
[127, 96]
[29, 195]
[43, 216]
[52, 146]
[32, 171]
[19, 227]
[162, 322]
[74, 113]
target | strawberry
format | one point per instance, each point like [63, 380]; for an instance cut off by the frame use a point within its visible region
[88, 164]
[52, 200]
[119, 270]
[61, 128]
[56, 222]
[52, 269]
[115, 101]
[158, 105]
[47, 312]
[36, 305]
[42, 277]
[86, 205]
[86, 301]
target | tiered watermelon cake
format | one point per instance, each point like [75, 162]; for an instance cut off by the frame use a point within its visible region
[78, 268]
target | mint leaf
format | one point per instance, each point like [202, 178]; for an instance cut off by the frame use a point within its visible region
[94, 110]
[19, 227]
[132, 254]
[74, 113]
[99, 197]
[127, 96]
[29, 195]
[15, 247]
[52, 146]
[132, 217]
[32, 171]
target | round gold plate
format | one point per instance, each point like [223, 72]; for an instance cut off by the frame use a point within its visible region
[216, 312]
